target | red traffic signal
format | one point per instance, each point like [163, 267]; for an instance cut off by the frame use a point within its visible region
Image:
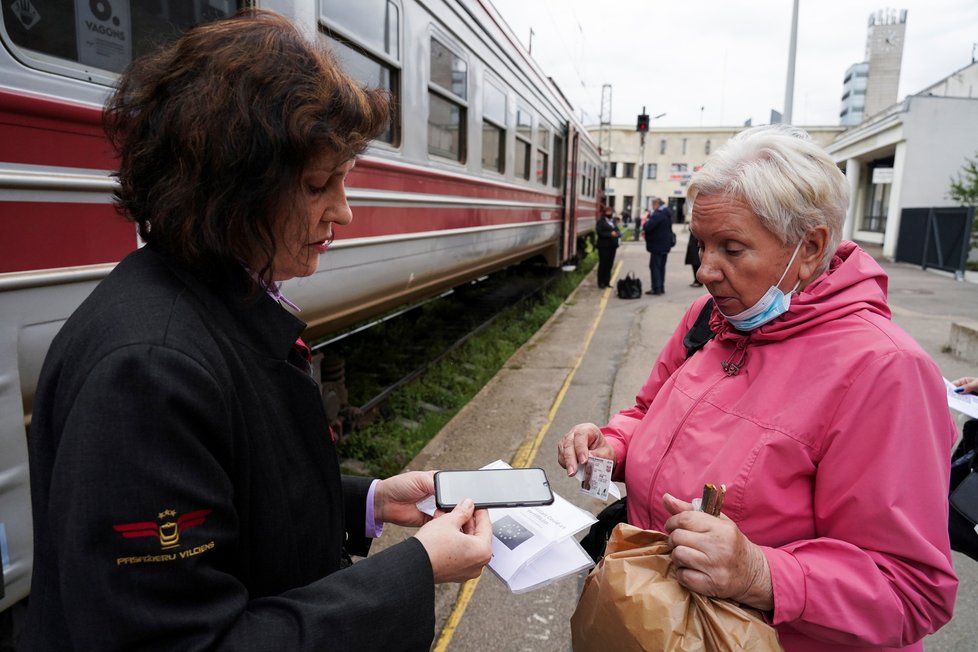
[643, 122]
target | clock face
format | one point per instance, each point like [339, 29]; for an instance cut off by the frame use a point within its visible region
[890, 39]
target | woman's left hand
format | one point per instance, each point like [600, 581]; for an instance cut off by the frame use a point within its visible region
[395, 498]
[712, 557]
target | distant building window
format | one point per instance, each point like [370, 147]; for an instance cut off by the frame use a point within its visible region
[679, 167]
[651, 170]
[707, 147]
[662, 146]
[628, 171]
[684, 147]
[613, 169]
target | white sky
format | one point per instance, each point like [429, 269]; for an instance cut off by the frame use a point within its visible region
[728, 56]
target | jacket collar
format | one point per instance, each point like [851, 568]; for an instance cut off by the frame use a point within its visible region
[241, 308]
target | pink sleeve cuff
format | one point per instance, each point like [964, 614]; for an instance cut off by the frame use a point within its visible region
[372, 529]
[787, 584]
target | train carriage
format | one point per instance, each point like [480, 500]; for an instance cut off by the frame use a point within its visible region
[484, 166]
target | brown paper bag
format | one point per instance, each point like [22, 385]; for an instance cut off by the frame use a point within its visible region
[632, 601]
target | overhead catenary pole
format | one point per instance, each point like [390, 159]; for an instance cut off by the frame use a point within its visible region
[789, 90]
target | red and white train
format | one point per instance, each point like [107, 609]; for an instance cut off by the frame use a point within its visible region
[483, 166]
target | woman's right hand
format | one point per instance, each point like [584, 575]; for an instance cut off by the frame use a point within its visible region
[581, 442]
[459, 543]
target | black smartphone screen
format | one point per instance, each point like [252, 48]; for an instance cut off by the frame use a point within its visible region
[493, 488]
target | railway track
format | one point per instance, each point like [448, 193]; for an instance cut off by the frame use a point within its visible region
[362, 369]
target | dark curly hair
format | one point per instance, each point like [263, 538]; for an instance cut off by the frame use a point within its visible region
[213, 133]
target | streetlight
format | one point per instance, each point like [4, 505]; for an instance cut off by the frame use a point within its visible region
[641, 166]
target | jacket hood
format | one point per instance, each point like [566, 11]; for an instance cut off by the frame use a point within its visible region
[853, 282]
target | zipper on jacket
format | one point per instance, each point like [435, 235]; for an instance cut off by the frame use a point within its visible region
[741, 348]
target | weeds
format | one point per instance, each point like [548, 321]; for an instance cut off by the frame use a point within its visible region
[418, 411]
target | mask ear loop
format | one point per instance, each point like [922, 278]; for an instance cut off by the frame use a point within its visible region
[788, 266]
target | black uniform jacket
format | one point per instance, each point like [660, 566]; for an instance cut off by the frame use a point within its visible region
[186, 492]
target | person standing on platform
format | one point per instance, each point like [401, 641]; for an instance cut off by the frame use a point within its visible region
[607, 244]
[659, 239]
[693, 259]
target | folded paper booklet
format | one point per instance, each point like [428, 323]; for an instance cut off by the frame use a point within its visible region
[534, 546]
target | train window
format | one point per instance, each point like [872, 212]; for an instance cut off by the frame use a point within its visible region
[558, 161]
[375, 23]
[365, 37]
[370, 72]
[493, 129]
[524, 144]
[446, 95]
[543, 153]
[99, 34]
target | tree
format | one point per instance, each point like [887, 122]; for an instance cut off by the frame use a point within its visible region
[964, 190]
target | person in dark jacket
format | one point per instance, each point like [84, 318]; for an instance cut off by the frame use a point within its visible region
[186, 490]
[659, 239]
[607, 245]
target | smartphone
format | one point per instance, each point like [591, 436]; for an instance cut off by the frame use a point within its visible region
[493, 488]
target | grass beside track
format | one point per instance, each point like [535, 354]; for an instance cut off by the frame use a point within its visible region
[417, 411]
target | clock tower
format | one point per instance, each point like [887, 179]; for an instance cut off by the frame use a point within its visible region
[884, 52]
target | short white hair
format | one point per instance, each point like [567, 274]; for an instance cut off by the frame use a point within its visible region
[789, 182]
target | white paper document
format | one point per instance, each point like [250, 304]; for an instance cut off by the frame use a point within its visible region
[966, 403]
[534, 546]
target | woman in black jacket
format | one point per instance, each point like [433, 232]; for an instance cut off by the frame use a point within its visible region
[186, 491]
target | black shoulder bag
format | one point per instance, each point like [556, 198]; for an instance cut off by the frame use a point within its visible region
[595, 541]
[963, 499]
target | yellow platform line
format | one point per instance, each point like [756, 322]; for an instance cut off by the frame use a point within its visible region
[524, 457]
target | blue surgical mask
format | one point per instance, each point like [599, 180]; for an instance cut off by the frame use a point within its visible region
[772, 305]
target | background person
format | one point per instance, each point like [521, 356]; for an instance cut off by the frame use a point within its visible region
[783, 407]
[659, 239]
[186, 491]
[608, 240]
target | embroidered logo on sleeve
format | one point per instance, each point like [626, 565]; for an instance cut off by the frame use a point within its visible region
[167, 529]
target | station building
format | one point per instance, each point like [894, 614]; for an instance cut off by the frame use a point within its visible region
[904, 156]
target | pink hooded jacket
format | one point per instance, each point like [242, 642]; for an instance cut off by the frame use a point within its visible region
[834, 441]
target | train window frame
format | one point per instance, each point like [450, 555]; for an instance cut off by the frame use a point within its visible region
[334, 32]
[523, 147]
[448, 98]
[543, 141]
[351, 25]
[74, 68]
[559, 157]
[494, 124]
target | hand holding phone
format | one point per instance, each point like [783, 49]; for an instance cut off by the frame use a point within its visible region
[493, 488]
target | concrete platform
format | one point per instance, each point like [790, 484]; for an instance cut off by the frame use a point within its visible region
[586, 363]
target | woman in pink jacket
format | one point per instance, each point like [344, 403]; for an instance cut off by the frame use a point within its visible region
[826, 422]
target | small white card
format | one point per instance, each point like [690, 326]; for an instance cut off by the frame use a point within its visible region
[595, 476]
